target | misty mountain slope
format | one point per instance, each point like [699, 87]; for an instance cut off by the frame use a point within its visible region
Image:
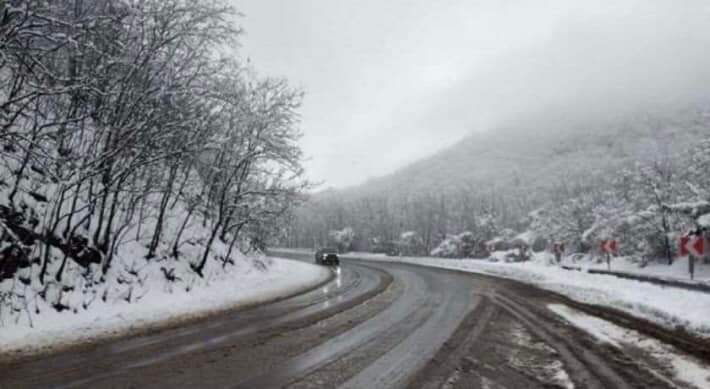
[541, 152]
[569, 177]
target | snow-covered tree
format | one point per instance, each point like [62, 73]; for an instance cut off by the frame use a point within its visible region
[342, 239]
[410, 243]
[122, 124]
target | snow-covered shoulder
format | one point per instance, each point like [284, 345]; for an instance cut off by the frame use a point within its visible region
[159, 302]
[690, 372]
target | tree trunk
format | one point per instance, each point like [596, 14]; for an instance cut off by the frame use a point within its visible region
[176, 245]
[208, 246]
[161, 214]
[73, 210]
[106, 242]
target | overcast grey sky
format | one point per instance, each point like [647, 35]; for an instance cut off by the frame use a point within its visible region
[390, 81]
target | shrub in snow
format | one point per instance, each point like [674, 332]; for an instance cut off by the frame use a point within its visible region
[410, 243]
[539, 244]
[381, 246]
[342, 239]
[467, 244]
[463, 245]
[487, 227]
[499, 244]
[448, 248]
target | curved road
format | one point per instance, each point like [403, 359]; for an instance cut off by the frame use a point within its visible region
[376, 325]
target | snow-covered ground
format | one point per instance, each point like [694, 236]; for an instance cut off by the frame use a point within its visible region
[157, 301]
[686, 369]
[52, 297]
[549, 371]
[667, 306]
[677, 271]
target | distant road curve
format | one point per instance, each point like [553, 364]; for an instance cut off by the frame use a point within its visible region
[376, 325]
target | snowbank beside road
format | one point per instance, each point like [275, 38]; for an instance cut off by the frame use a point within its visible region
[669, 307]
[676, 271]
[691, 372]
[249, 282]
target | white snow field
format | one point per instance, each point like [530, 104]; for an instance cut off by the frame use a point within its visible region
[668, 306]
[156, 302]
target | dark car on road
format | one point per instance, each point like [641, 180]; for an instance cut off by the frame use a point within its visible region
[328, 257]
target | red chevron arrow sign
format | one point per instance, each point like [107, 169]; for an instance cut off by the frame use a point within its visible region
[692, 245]
[610, 246]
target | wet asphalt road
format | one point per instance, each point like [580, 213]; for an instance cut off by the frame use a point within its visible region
[375, 325]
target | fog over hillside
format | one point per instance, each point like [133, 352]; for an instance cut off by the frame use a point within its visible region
[398, 82]
[597, 124]
[544, 149]
[561, 167]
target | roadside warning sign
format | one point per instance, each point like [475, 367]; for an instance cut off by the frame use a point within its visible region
[683, 245]
[610, 246]
[692, 245]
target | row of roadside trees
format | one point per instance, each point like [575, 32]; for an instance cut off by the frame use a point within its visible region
[133, 121]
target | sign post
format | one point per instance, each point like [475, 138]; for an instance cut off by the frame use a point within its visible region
[697, 250]
[608, 247]
[694, 247]
[558, 248]
[691, 267]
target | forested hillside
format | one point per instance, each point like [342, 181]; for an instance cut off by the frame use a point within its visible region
[557, 176]
[134, 149]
